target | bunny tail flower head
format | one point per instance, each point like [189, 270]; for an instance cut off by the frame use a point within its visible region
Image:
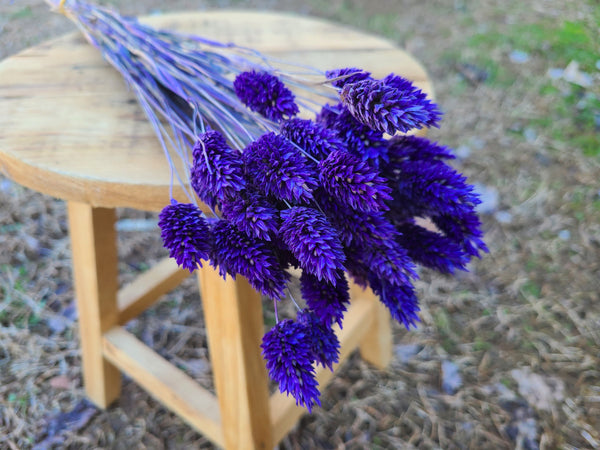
[252, 213]
[328, 301]
[185, 234]
[217, 172]
[353, 182]
[400, 300]
[235, 253]
[312, 239]
[265, 94]
[289, 351]
[278, 169]
[355, 228]
[360, 140]
[389, 105]
[340, 77]
[311, 137]
[325, 344]
[432, 249]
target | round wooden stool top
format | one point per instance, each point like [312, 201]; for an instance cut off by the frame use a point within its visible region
[70, 128]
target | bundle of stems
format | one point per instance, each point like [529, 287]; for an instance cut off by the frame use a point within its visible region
[335, 195]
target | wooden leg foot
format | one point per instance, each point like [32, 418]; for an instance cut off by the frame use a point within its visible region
[94, 250]
[234, 323]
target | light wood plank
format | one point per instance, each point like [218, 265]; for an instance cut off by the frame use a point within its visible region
[172, 387]
[147, 288]
[234, 325]
[94, 249]
[357, 322]
[376, 345]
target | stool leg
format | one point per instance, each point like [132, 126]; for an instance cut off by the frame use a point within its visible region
[376, 346]
[234, 324]
[94, 250]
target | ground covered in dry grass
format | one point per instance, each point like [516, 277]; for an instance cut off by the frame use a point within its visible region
[506, 356]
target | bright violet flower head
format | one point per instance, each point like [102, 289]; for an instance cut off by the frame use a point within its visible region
[325, 344]
[234, 252]
[217, 171]
[328, 301]
[289, 351]
[278, 169]
[266, 94]
[356, 228]
[185, 233]
[252, 213]
[313, 138]
[360, 140]
[312, 239]
[400, 300]
[431, 249]
[389, 105]
[346, 75]
[353, 182]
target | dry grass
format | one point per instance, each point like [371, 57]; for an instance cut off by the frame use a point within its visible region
[532, 304]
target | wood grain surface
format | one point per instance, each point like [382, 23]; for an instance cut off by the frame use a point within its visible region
[71, 129]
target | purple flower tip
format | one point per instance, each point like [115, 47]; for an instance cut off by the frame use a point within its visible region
[400, 300]
[360, 140]
[217, 172]
[185, 233]
[312, 239]
[325, 344]
[235, 252]
[313, 138]
[347, 75]
[328, 301]
[415, 148]
[389, 105]
[265, 94]
[251, 213]
[289, 351]
[353, 182]
[432, 249]
[278, 169]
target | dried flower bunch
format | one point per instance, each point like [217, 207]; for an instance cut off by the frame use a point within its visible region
[335, 194]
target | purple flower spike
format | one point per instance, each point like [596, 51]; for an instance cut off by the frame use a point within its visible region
[278, 169]
[349, 74]
[251, 213]
[465, 229]
[325, 344]
[326, 300]
[265, 94]
[400, 300]
[313, 138]
[360, 140]
[358, 229]
[415, 148]
[389, 105]
[235, 252]
[313, 240]
[185, 233]
[432, 249]
[390, 262]
[353, 182]
[217, 172]
[288, 350]
[424, 188]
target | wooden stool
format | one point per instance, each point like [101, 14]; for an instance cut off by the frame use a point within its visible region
[71, 129]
